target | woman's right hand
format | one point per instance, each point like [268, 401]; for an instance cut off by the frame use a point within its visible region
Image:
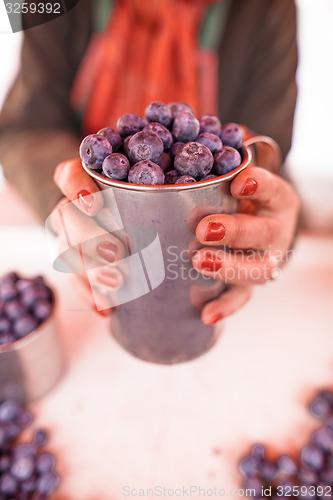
[86, 247]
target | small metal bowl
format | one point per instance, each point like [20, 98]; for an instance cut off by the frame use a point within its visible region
[31, 366]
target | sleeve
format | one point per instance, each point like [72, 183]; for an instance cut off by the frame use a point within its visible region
[258, 66]
[38, 128]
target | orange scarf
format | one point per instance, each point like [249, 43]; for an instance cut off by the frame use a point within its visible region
[148, 52]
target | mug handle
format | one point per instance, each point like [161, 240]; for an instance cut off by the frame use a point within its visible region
[266, 152]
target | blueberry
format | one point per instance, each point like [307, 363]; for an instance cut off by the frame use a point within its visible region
[146, 172]
[211, 124]
[258, 451]
[194, 159]
[47, 483]
[14, 309]
[9, 410]
[312, 457]
[165, 162]
[45, 462]
[42, 309]
[24, 325]
[8, 291]
[158, 112]
[185, 179]
[211, 141]
[10, 277]
[286, 465]
[31, 295]
[8, 485]
[22, 467]
[93, 149]
[145, 146]
[112, 136]
[116, 167]
[232, 135]
[175, 148]
[179, 107]
[322, 405]
[323, 438]
[24, 450]
[23, 284]
[227, 160]
[129, 124]
[24, 419]
[163, 133]
[248, 466]
[185, 127]
[4, 324]
[40, 437]
[171, 177]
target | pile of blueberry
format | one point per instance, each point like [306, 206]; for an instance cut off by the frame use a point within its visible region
[309, 476]
[24, 305]
[26, 471]
[169, 146]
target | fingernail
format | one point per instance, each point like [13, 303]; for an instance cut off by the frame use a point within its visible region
[249, 188]
[210, 263]
[216, 319]
[86, 200]
[103, 312]
[108, 278]
[215, 231]
[107, 251]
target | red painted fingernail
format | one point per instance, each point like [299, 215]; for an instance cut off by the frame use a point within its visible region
[215, 231]
[216, 319]
[107, 251]
[210, 263]
[86, 200]
[103, 312]
[249, 188]
[108, 278]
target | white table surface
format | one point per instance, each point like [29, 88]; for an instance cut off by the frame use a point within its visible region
[116, 421]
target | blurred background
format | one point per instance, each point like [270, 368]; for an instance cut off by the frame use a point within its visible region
[309, 163]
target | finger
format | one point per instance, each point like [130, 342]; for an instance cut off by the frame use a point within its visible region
[239, 231]
[268, 191]
[76, 184]
[105, 277]
[228, 303]
[239, 267]
[75, 228]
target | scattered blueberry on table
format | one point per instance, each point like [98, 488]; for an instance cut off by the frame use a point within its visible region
[27, 471]
[170, 138]
[306, 476]
[24, 305]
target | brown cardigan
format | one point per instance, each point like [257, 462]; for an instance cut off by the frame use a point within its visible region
[38, 128]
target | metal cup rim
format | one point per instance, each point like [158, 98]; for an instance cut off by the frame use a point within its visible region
[167, 188]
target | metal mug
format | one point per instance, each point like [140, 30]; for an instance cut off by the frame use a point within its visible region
[157, 313]
[31, 366]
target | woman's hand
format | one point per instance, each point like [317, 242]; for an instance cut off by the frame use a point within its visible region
[260, 235]
[85, 246]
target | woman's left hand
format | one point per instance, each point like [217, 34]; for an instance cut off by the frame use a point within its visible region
[259, 235]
